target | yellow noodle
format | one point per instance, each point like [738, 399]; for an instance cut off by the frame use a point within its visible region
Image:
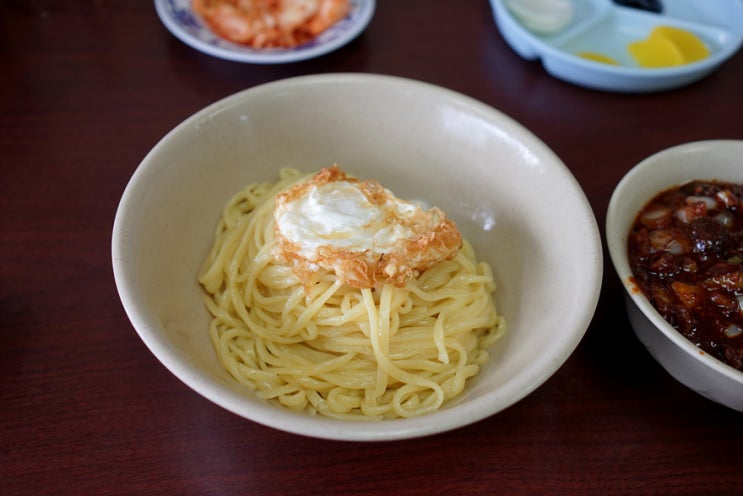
[332, 349]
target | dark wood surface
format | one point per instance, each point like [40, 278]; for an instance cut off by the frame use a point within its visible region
[89, 86]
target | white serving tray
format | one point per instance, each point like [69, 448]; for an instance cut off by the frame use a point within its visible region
[606, 27]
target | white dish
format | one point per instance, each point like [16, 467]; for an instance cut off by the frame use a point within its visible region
[509, 194]
[605, 27]
[186, 25]
[714, 159]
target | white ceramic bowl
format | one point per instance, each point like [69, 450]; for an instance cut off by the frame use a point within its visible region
[714, 159]
[509, 194]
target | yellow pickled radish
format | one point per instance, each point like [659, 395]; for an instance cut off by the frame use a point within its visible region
[656, 51]
[692, 48]
[668, 46]
[598, 57]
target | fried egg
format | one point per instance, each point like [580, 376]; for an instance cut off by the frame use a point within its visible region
[359, 230]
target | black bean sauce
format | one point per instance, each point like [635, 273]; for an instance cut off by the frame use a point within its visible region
[686, 255]
[649, 5]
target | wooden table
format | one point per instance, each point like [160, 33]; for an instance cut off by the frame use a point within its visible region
[89, 86]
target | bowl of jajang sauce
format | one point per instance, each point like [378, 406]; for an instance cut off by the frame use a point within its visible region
[686, 254]
[674, 230]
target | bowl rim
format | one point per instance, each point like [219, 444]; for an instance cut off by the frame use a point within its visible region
[616, 241]
[324, 428]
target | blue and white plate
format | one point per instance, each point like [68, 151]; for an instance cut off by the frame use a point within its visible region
[188, 27]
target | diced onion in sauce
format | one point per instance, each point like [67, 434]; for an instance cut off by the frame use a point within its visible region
[733, 331]
[656, 217]
[728, 198]
[683, 215]
[667, 240]
[711, 203]
[725, 218]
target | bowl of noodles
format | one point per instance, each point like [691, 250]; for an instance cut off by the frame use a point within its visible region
[356, 257]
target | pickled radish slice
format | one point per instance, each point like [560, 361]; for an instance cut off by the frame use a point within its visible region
[598, 57]
[668, 46]
[692, 48]
[656, 52]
